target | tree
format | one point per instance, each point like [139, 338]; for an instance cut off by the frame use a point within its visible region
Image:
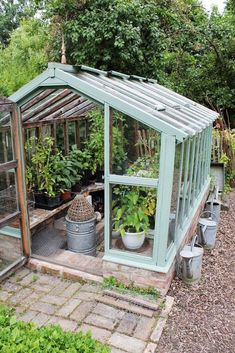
[24, 58]
[11, 13]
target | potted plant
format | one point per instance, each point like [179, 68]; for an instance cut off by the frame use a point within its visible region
[130, 214]
[42, 163]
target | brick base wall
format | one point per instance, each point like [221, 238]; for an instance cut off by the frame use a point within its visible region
[146, 278]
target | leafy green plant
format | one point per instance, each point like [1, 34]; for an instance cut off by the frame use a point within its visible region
[131, 209]
[113, 283]
[42, 165]
[21, 337]
[94, 145]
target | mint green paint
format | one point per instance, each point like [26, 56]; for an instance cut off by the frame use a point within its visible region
[107, 225]
[185, 187]
[191, 169]
[130, 180]
[102, 96]
[29, 88]
[196, 169]
[11, 232]
[167, 158]
[177, 218]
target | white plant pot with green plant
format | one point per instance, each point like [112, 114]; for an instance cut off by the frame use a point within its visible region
[131, 216]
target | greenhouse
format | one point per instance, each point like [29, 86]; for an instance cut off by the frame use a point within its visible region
[145, 148]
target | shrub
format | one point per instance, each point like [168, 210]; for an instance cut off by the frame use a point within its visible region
[21, 337]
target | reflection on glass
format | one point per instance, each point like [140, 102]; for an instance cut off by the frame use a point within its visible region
[83, 132]
[133, 218]
[135, 147]
[6, 152]
[60, 137]
[10, 244]
[174, 195]
[8, 203]
[71, 132]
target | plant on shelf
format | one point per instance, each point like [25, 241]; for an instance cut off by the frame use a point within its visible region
[70, 169]
[94, 145]
[41, 169]
[131, 212]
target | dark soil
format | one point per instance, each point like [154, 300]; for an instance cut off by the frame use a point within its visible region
[202, 319]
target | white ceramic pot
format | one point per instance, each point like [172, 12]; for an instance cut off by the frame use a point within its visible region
[133, 241]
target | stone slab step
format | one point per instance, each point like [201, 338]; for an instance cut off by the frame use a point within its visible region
[125, 305]
[145, 303]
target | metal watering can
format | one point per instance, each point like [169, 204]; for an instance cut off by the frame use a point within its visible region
[191, 264]
[208, 228]
[214, 207]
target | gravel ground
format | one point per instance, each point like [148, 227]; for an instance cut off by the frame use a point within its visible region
[202, 319]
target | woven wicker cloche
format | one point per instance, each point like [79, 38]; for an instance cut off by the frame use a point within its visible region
[80, 210]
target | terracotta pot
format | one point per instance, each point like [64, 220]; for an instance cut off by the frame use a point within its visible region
[66, 195]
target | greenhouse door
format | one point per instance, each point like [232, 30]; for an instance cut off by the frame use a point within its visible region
[13, 208]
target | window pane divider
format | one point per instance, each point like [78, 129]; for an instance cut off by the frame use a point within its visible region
[8, 166]
[9, 218]
[131, 180]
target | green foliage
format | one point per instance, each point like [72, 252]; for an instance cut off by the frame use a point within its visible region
[48, 170]
[94, 145]
[173, 41]
[71, 168]
[24, 58]
[11, 13]
[132, 207]
[42, 165]
[20, 337]
[113, 283]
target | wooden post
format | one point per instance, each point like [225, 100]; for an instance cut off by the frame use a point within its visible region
[5, 157]
[21, 188]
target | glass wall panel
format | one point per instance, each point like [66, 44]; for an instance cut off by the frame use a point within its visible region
[175, 194]
[132, 225]
[135, 148]
[83, 132]
[60, 137]
[10, 244]
[8, 200]
[6, 150]
[72, 133]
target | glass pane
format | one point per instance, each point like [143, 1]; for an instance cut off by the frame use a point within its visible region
[6, 151]
[135, 147]
[71, 132]
[133, 211]
[175, 195]
[60, 137]
[10, 244]
[83, 132]
[8, 201]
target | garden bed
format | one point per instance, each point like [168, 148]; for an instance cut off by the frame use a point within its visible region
[25, 337]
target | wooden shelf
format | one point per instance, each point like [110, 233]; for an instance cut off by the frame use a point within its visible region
[38, 215]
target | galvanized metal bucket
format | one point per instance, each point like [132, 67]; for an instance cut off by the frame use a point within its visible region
[81, 236]
[208, 229]
[191, 262]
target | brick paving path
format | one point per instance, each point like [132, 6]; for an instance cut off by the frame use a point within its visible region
[44, 299]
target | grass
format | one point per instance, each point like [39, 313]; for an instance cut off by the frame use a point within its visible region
[113, 283]
[20, 337]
